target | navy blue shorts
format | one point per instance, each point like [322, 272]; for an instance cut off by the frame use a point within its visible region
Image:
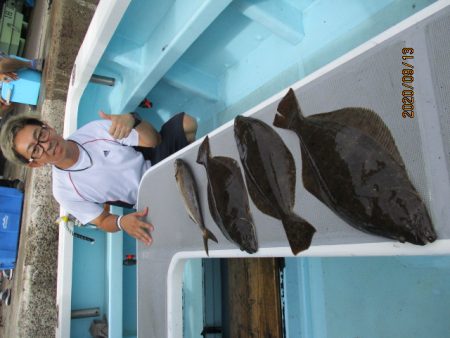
[173, 139]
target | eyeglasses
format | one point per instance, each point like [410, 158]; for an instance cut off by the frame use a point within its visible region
[38, 150]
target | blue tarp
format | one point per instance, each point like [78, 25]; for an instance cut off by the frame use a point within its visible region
[23, 90]
[11, 201]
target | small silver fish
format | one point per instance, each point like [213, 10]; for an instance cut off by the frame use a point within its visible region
[188, 189]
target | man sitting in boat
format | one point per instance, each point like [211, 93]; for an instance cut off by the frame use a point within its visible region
[102, 162]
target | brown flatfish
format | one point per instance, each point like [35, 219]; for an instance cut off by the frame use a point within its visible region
[189, 191]
[270, 175]
[227, 198]
[350, 162]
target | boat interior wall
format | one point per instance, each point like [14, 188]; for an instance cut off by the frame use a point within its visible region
[154, 47]
[216, 59]
[85, 293]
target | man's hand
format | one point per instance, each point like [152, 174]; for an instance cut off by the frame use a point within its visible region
[121, 124]
[136, 228]
[130, 223]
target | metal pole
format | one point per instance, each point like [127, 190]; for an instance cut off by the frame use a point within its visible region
[104, 80]
[85, 313]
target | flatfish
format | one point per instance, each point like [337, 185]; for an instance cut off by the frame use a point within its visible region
[270, 175]
[227, 198]
[350, 162]
[189, 191]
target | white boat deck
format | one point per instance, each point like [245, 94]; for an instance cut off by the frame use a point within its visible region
[369, 76]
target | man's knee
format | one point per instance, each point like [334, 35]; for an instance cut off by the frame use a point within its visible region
[8, 65]
[189, 127]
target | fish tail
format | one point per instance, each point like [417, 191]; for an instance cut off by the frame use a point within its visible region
[289, 114]
[299, 232]
[208, 235]
[203, 151]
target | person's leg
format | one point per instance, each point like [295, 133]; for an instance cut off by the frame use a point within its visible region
[12, 65]
[189, 127]
[8, 65]
[176, 133]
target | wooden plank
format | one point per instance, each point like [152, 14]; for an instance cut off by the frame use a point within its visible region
[252, 298]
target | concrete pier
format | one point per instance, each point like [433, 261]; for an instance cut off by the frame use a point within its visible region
[56, 31]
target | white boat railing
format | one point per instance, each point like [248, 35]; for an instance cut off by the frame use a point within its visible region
[100, 31]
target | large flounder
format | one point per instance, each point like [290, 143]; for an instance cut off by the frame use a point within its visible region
[270, 175]
[351, 163]
[227, 198]
[188, 189]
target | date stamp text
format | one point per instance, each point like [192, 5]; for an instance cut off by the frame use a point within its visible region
[407, 83]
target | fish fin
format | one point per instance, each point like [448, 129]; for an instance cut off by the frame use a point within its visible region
[229, 162]
[215, 213]
[260, 199]
[208, 235]
[176, 165]
[212, 206]
[204, 151]
[192, 219]
[368, 122]
[289, 113]
[234, 167]
[299, 232]
[309, 176]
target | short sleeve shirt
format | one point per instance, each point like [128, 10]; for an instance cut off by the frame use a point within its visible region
[114, 175]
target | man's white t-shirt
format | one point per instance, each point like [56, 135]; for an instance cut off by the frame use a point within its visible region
[115, 173]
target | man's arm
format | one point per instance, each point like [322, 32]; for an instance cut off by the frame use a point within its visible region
[131, 223]
[123, 124]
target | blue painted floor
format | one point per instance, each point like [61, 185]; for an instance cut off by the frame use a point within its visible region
[368, 297]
